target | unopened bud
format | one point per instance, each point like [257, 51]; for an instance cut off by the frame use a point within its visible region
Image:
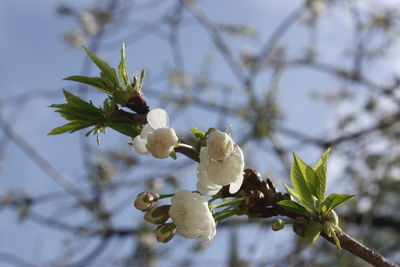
[331, 223]
[278, 225]
[300, 226]
[165, 232]
[157, 215]
[332, 218]
[146, 200]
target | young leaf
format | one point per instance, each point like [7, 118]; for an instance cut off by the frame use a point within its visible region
[321, 169]
[311, 178]
[106, 71]
[142, 74]
[299, 182]
[197, 133]
[334, 200]
[122, 70]
[69, 127]
[96, 82]
[126, 128]
[293, 206]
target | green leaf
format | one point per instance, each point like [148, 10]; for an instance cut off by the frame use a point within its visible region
[321, 169]
[69, 127]
[128, 129]
[299, 182]
[293, 206]
[96, 82]
[197, 133]
[142, 74]
[334, 200]
[311, 178]
[122, 70]
[106, 71]
[80, 106]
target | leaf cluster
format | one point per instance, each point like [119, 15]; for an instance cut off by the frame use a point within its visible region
[116, 84]
[309, 189]
[82, 114]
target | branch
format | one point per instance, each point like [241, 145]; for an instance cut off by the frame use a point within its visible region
[262, 203]
[352, 245]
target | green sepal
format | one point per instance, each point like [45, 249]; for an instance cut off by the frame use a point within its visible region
[293, 206]
[173, 155]
[331, 232]
[336, 240]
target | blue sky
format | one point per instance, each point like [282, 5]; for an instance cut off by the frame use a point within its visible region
[34, 56]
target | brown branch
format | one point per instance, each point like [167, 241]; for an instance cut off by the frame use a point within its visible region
[355, 247]
[138, 118]
[190, 153]
[262, 203]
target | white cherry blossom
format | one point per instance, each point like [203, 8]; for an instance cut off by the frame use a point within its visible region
[219, 145]
[213, 173]
[156, 138]
[190, 213]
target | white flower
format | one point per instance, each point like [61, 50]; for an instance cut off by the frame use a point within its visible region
[190, 213]
[219, 144]
[213, 174]
[156, 138]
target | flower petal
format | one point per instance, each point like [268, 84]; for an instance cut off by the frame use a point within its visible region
[146, 130]
[158, 118]
[208, 189]
[234, 187]
[139, 144]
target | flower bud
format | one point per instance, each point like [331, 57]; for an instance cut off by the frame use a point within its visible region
[165, 232]
[157, 215]
[314, 228]
[146, 200]
[278, 225]
[300, 226]
[161, 142]
[219, 145]
[331, 223]
[332, 218]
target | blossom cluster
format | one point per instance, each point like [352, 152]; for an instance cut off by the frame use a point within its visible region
[221, 164]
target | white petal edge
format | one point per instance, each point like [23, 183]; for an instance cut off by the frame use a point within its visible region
[158, 118]
[234, 187]
[208, 190]
[146, 130]
[139, 144]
